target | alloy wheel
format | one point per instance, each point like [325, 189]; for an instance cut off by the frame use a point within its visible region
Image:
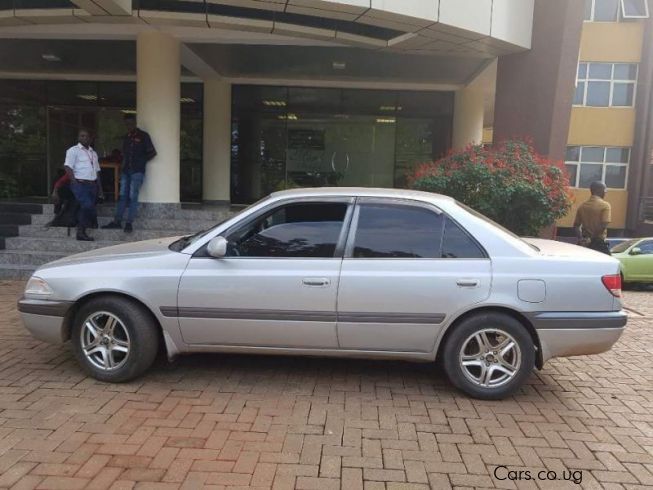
[105, 341]
[490, 358]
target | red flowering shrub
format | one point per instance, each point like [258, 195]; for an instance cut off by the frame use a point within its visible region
[508, 182]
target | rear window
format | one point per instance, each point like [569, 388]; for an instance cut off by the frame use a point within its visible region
[496, 225]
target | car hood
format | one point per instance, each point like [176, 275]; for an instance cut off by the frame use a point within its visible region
[131, 250]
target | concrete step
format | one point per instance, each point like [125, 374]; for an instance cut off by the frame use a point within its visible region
[28, 258]
[144, 213]
[19, 207]
[66, 247]
[16, 272]
[15, 218]
[8, 230]
[189, 225]
[35, 231]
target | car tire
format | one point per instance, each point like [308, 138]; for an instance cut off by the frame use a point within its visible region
[125, 342]
[483, 349]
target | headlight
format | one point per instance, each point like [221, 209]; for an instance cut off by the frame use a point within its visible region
[36, 285]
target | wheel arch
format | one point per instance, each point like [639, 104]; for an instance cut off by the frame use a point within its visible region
[69, 318]
[520, 317]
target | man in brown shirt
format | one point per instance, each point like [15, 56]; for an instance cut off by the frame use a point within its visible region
[592, 220]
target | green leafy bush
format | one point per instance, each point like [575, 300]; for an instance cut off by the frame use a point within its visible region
[509, 182]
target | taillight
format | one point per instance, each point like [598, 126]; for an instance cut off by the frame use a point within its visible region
[612, 283]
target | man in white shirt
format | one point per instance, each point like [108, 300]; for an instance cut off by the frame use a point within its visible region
[83, 169]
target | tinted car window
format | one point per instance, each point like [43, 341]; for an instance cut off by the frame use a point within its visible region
[646, 247]
[397, 231]
[457, 244]
[295, 230]
[623, 246]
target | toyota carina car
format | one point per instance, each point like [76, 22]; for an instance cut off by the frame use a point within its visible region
[369, 273]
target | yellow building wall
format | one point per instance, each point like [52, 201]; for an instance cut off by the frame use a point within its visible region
[612, 41]
[602, 126]
[488, 135]
[618, 199]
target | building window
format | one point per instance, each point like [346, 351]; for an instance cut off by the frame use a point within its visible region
[615, 10]
[587, 164]
[634, 9]
[606, 84]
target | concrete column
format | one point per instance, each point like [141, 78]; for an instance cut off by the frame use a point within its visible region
[468, 117]
[216, 166]
[535, 89]
[158, 86]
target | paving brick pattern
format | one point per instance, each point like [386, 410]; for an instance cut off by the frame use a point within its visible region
[218, 421]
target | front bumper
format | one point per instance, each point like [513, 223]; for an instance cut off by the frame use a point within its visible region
[565, 334]
[45, 318]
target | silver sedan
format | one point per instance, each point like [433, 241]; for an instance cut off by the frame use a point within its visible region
[375, 273]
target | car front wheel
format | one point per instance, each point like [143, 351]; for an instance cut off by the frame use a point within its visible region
[489, 355]
[114, 339]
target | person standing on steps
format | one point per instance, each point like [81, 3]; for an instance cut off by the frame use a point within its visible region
[137, 150]
[83, 169]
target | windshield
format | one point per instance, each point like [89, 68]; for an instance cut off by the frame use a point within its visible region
[184, 242]
[495, 224]
[623, 246]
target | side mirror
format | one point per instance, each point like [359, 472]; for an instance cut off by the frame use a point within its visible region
[217, 247]
[635, 251]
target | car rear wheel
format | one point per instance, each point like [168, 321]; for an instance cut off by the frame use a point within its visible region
[114, 339]
[489, 355]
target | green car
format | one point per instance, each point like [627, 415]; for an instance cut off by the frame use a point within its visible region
[636, 257]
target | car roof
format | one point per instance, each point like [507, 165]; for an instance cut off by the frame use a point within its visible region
[363, 192]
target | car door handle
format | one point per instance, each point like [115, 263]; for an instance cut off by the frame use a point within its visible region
[468, 283]
[316, 281]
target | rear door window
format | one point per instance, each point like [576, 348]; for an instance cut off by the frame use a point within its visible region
[397, 231]
[457, 244]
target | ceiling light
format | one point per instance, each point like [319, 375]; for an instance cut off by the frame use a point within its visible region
[87, 96]
[50, 57]
[386, 120]
[339, 65]
[275, 103]
[187, 100]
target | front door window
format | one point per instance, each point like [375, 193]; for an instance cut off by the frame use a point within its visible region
[296, 230]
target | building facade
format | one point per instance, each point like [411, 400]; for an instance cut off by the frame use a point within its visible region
[244, 97]
[610, 130]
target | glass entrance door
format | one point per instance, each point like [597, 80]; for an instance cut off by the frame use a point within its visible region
[284, 137]
[332, 150]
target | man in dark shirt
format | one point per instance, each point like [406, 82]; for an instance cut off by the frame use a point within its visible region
[137, 150]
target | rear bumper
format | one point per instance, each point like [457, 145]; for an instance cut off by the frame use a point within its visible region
[44, 318]
[565, 334]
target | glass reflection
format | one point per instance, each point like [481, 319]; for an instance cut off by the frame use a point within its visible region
[307, 137]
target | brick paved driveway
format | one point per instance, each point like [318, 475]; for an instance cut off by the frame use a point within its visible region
[231, 421]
